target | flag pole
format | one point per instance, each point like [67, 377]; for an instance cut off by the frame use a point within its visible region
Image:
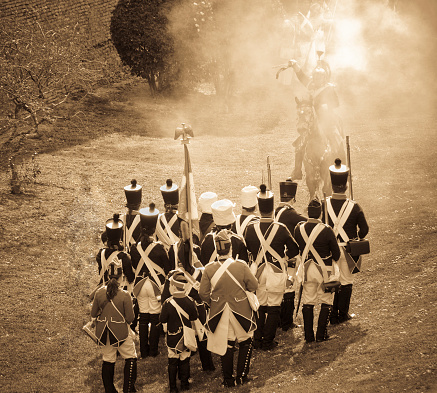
[185, 141]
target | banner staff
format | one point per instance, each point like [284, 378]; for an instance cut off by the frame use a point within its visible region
[186, 133]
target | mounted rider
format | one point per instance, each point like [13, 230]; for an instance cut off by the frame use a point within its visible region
[324, 101]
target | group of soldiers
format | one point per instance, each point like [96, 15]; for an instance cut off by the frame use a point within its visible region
[181, 281]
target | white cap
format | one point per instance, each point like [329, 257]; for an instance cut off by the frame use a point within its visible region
[206, 200]
[248, 196]
[223, 212]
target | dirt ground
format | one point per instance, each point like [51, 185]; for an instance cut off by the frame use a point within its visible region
[50, 234]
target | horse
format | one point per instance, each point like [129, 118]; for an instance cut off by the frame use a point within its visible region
[322, 142]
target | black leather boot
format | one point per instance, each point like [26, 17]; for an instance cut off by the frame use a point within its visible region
[172, 374]
[287, 310]
[260, 318]
[243, 362]
[184, 373]
[322, 325]
[228, 366]
[143, 330]
[272, 322]
[154, 334]
[108, 377]
[205, 356]
[344, 300]
[333, 318]
[130, 375]
[308, 321]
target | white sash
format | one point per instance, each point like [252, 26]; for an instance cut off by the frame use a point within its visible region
[241, 227]
[129, 232]
[152, 266]
[339, 221]
[166, 235]
[105, 263]
[310, 247]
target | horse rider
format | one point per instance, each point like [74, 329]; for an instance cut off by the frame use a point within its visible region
[325, 101]
[287, 215]
[348, 222]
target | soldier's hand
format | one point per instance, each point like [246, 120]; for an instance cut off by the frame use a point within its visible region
[292, 63]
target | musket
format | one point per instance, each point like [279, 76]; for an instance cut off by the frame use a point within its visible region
[349, 166]
[269, 174]
[325, 208]
[299, 298]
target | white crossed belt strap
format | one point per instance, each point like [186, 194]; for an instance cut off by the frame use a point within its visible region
[152, 266]
[265, 244]
[280, 213]
[166, 235]
[241, 226]
[129, 232]
[192, 279]
[309, 246]
[213, 256]
[219, 272]
[105, 263]
[340, 220]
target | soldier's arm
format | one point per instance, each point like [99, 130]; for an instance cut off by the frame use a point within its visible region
[250, 280]
[128, 308]
[205, 288]
[362, 224]
[333, 245]
[127, 267]
[206, 250]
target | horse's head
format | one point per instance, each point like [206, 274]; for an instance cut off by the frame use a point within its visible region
[305, 114]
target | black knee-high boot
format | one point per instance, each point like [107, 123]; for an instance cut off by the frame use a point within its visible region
[172, 374]
[134, 323]
[272, 322]
[205, 356]
[308, 320]
[260, 317]
[243, 362]
[322, 325]
[287, 310]
[143, 330]
[344, 300]
[333, 318]
[108, 377]
[154, 334]
[228, 365]
[184, 373]
[130, 375]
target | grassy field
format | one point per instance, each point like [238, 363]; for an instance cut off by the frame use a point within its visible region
[50, 236]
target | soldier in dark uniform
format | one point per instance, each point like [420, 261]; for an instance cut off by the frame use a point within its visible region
[347, 219]
[206, 221]
[178, 310]
[193, 273]
[114, 249]
[132, 227]
[319, 250]
[248, 214]
[167, 228]
[272, 247]
[152, 265]
[224, 217]
[287, 215]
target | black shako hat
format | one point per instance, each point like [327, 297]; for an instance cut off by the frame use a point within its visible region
[149, 217]
[339, 173]
[114, 229]
[170, 193]
[287, 189]
[133, 194]
[265, 200]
